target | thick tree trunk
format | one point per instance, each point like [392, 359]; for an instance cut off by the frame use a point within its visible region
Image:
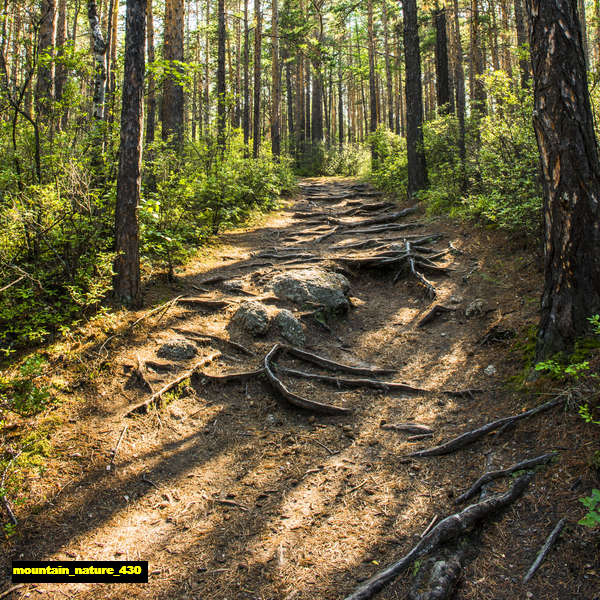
[172, 100]
[564, 128]
[257, 77]
[60, 76]
[275, 83]
[417, 168]
[441, 61]
[221, 91]
[126, 283]
[584, 32]
[44, 90]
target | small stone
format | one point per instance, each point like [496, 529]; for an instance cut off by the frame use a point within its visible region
[475, 308]
[177, 414]
[253, 317]
[490, 370]
[233, 285]
[177, 349]
[312, 419]
[290, 328]
[529, 595]
[455, 299]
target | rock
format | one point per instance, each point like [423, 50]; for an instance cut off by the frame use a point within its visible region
[490, 370]
[253, 317]
[455, 299]
[475, 308]
[314, 285]
[290, 328]
[177, 349]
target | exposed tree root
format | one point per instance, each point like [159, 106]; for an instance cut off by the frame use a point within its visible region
[292, 398]
[332, 365]
[204, 303]
[472, 436]
[140, 373]
[437, 310]
[156, 398]
[544, 550]
[345, 382]
[450, 528]
[207, 336]
[438, 577]
[492, 475]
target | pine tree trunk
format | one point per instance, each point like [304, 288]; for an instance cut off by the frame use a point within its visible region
[151, 100]
[126, 284]
[275, 83]
[44, 91]
[172, 101]
[60, 75]
[459, 77]
[478, 97]
[564, 128]
[441, 61]
[521, 41]
[372, 82]
[221, 91]
[257, 76]
[417, 168]
[505, 44]
[246, 108]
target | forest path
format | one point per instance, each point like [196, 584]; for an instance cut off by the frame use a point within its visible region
[229, 492]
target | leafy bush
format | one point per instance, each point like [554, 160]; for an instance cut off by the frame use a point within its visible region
[592, 503]
[501, 169]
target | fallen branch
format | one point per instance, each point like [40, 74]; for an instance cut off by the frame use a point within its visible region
[115, 450]
[471, 436]
[156, 398]
[544, 550]
[292, 398]
[407, 427]
[450, 528]
[492, 475]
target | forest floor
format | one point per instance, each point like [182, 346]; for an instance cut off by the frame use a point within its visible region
[231, 494]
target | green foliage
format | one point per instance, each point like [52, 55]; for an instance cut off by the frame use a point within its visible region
[191, 196]
[319, 159]
[22, 394]
[592, 503]
[501, 170]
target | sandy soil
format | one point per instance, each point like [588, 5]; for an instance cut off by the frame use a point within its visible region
[231, 494]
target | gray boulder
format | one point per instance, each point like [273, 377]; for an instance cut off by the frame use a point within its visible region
[290, 328]
[253, 317]
[476, 308]
[315, 286]
[177, 349]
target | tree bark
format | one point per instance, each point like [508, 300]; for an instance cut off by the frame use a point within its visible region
[99, 50]
[417, 168]
[441, 60]
[126, 284]
[221, 108]
[459, 76]
[172, 100]
[151, 99]
[275, 83]
[521, 41]
[257, 78]
[372, 82]
[246, 108]
[44, 91]
[564, 128]
[478, 96]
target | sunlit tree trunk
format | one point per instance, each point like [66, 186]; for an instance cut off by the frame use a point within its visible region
[126, 284]
[257, 78]
[417, 169]
[221, 107]
[172, 107]
[275, 83]
[441, 60]
[564, 128]
[44, 90]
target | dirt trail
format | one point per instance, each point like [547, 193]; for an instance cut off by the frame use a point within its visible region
[231, 494]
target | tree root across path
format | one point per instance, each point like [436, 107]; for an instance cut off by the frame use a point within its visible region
[472, 436]
[450, 528]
